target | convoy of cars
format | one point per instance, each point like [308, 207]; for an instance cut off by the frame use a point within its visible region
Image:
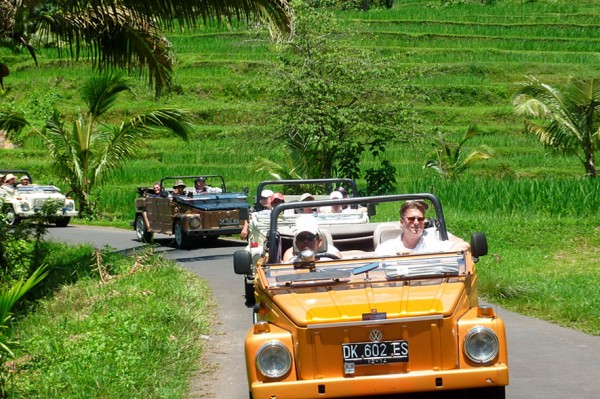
[28, 201]
[189, 216]
[355, 325]
[367, 325]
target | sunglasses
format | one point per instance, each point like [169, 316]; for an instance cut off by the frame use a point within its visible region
[413, 218]
[306, 237]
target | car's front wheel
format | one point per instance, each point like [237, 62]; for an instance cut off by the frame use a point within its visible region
[182, 241]
[62, 222]
[10, 216]
[141, 230]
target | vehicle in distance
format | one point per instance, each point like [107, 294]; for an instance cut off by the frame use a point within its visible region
[28, 201]
[367, 325]
[189, 217]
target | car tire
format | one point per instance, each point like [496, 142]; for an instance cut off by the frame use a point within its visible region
[11, 217]
[62, 222]
[141, 230]
[182, 241]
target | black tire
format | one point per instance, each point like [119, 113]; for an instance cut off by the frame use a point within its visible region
[11, 216]
[487, 393]
[141, 230]
[62, 222]
[182, 241]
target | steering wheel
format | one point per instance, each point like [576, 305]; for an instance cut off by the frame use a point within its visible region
[327, 255]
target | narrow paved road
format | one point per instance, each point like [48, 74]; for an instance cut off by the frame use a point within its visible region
[546, 361]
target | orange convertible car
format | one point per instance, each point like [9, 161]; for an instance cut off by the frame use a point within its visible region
[366, 325]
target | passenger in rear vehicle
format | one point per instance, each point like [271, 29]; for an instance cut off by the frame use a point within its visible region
[264, 206]
[415, 238]
[24, 180]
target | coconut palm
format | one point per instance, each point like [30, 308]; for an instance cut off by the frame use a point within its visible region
[570, 118]
[449, 159]
[123, 33]
[83, 154]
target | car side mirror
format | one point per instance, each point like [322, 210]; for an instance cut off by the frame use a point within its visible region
[371, 210]
[479, 245]
[242, 262]
[246, 190]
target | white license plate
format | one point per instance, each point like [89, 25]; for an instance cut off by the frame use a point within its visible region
[376, 352]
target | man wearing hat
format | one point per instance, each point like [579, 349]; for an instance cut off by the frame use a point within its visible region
[9, 183]
[179, 187]
[200, 186]
[308, 237]
[24, 180]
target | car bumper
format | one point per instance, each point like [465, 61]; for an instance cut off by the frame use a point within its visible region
[59, 213]
[214, 232]
[383, 384]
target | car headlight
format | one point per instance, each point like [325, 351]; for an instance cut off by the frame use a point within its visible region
[24, 206]
[481, 345]
[195, 222]
[273, 359]
[70, 205]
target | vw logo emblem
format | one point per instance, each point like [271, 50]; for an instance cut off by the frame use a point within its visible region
[376, 336]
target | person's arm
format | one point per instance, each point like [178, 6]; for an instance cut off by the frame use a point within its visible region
[457, 243]
[244, 232]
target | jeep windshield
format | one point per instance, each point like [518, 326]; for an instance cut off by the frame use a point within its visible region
[360, 272]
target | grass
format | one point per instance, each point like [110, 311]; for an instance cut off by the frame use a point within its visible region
[114, 337]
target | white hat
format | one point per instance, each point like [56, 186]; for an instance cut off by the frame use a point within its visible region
[307, 197]
[307, 224]
[9, 176]
[336, 195]
[266, 193]
[24, 177]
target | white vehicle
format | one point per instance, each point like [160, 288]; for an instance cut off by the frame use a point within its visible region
[348, 229]
[26, 201]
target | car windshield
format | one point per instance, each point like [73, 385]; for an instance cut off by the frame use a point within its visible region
[372, 271]
[37, 188]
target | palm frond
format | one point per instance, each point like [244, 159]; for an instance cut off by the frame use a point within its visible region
[12, 123]
[100, 93]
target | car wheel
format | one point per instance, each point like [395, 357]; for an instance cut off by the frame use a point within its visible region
[141, 230]
[62, 222]
[182, 241]
[11, 217]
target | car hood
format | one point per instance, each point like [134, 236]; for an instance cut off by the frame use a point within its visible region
[327, 304]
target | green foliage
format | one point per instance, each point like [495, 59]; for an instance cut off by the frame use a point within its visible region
[8, 299]
[570, 117]
[327, 109]
[449, 159]
[84, 155]
[136, 325]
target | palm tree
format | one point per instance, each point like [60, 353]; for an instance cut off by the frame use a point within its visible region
[84, 154]
[448, 158]
[123, 33]
[571, 117]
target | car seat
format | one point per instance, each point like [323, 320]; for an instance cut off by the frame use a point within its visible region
[386, 231]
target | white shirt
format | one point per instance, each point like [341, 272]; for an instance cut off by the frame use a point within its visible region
[429, 242]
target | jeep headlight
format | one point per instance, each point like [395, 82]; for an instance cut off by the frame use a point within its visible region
[273, 359]
[69, 205]
[195, 222]
[481, 345]
[24, 206]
